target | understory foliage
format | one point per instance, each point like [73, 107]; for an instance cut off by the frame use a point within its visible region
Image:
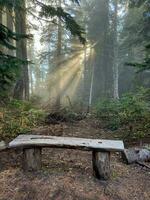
[65, 114]
[9, 71]
[19, 117]
[131, 111]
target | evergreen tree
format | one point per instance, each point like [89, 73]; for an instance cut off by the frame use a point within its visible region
[99, 34]
[9, 65]
[144, 33]
[7, 35]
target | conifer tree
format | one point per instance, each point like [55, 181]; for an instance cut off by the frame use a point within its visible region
[9, 65]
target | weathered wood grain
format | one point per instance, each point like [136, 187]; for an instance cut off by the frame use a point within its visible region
[32, 159]
[133, 155]
[101, 165]
[23, 141]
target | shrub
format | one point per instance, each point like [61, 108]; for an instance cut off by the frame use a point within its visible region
[19, 117]
[130, 110]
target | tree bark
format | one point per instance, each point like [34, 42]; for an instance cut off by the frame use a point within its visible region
[92, 78]
[134, 155]
[103, 75]
[58, 55]
[101, 165]
[31, 67]
[32, 159]
[1, 15]
[21, 90]
[115, 53]
[10, 26]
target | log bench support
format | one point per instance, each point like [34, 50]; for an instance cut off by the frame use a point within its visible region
[101, 165]
[32, 159]
[101, 162]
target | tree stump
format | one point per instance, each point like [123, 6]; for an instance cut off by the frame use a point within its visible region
[101, 165]
[133, 155]
[32, 159]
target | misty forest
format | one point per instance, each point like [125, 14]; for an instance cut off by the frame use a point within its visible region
[74, 99]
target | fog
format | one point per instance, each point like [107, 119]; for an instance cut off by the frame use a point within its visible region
[64, 71]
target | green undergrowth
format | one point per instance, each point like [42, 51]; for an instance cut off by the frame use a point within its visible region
[19, 117]
[131, 111]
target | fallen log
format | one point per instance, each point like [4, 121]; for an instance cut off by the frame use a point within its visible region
[134, 155]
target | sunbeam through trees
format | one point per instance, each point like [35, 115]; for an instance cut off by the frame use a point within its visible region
[72, 71]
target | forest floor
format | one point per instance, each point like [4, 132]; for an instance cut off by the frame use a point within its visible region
[67, 174]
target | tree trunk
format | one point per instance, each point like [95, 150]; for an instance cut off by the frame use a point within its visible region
[92, 78]
[58, 55]
[134, 155]
[102, 86]
[31, 66]
[0, 16]
[10, 26]
[1, 21]
[85, 76]
[115, 53]
[21, 90]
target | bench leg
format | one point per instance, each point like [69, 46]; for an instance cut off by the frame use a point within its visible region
[32, 159]
[101, 165]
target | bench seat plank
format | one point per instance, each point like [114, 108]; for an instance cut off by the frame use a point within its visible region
[25, 141]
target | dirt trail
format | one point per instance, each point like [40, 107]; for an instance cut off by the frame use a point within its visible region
[67, 174]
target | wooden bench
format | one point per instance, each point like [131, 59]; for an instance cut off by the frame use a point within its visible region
[32, 145]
